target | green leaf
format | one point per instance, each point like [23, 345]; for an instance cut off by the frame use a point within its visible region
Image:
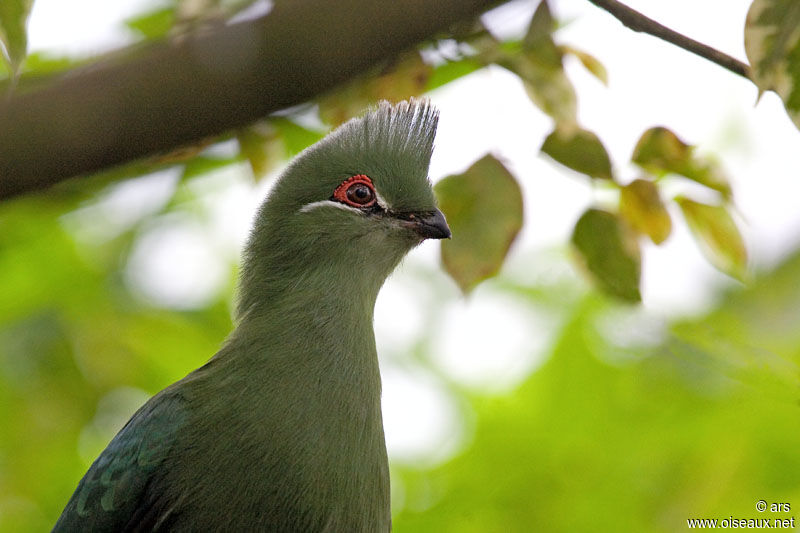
[589, 62]
[659, 151]
[641, 206]
[772, 44]
[718, 236]
[450, 71]
[483, 207]
[201, 164]
[609, 251]
[295, 137]
[153, 24]
[13, 32]
[579, 149]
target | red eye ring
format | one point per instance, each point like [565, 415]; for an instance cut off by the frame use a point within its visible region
[356, 191]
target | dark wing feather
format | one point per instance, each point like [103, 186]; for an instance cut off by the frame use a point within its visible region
[120, 491]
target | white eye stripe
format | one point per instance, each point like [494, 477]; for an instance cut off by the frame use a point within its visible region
[322, 203]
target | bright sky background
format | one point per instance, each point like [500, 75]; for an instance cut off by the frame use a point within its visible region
[180, 263]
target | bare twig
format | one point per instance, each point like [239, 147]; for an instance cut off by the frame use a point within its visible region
[638, 22]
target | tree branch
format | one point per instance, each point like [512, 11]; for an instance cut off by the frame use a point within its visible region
[155, 98]
[638, 22]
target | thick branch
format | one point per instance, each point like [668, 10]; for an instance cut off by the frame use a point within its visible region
[638, 22]
[165, 95]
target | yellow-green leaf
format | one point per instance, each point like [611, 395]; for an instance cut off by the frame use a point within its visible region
[659, 151]
[579, 149]
[718, 236]
[641, 206]
[589, 62]
[13, 31]
[609, 252]
[772, 44]
[483, 207]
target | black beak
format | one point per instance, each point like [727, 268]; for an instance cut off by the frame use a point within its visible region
[429, 225]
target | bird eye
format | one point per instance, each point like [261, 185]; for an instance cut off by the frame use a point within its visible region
[356, 191]
[360, 194]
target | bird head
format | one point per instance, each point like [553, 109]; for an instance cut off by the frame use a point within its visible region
[348, 208]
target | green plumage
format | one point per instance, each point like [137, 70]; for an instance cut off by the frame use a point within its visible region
[281, 430]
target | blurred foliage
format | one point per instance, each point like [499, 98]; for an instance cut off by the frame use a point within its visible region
[614, 432]
[611, 436]
[71, 333]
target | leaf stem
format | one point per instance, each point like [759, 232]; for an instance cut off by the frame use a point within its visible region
[638, 22]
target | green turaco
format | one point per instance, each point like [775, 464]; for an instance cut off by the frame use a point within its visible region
[281, 430]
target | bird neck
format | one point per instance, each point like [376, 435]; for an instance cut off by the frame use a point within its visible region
[320, 311]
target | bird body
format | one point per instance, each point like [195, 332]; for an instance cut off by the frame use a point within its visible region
[282, 430]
